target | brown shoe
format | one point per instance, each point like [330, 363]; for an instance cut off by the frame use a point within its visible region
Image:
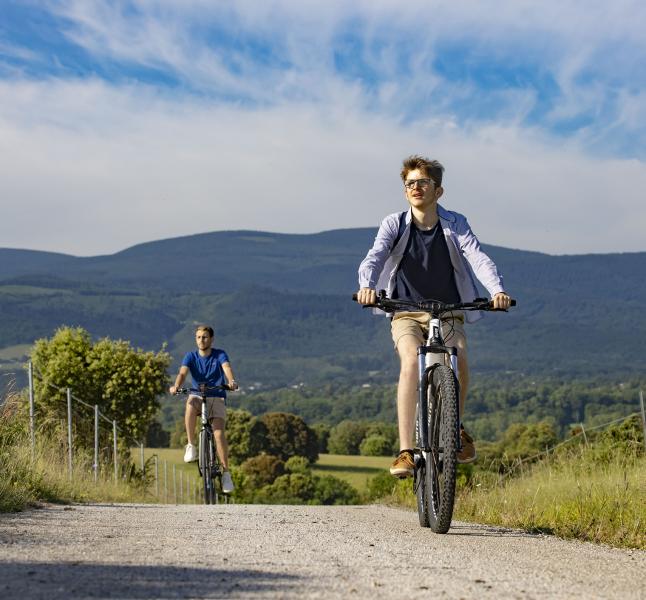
[468, 452]
[403, 466]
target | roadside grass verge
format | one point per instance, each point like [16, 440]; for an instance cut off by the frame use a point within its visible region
[569, 496]
[24, 481]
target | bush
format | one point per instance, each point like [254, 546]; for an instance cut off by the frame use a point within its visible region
[375, 445]
[331, 490]
[381, 485]
[297, 464]
[262, 470]
[293, 488]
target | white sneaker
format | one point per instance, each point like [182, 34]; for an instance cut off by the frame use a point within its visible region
[227, 483]
[191, 453]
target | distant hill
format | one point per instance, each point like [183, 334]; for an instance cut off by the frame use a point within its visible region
[281, 306]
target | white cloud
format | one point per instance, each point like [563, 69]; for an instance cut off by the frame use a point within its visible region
[90, 168]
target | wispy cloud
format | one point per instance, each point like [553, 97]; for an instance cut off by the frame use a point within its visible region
[293, 116]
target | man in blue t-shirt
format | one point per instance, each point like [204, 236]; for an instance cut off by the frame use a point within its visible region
[208, 366]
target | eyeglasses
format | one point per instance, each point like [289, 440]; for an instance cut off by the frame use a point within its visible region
[412, 183]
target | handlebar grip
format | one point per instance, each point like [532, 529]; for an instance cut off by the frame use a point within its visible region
[512, 303]
[355, 297]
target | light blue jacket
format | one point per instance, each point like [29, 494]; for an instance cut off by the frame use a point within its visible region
[377, 270]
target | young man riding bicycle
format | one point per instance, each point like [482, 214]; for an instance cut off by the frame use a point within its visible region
[208, 366]
[426, 252]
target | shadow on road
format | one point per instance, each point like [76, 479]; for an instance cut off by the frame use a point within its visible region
[29, 580]
[490, 531]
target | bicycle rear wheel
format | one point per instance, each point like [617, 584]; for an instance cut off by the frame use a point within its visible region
[206, 465]
[441, 465]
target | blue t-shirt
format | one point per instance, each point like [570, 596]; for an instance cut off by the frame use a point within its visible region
[426, 271]
[207, 369]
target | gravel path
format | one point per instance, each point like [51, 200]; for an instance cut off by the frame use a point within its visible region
[250, 551]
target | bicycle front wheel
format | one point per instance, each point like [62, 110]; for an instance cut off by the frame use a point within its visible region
[206, 465]
[441, 464]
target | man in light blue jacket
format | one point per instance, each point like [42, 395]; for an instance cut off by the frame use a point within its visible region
[426, 252]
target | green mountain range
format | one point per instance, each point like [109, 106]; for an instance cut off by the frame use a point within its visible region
[281, 306]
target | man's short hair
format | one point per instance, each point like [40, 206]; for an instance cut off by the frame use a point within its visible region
[433, 168]
[206, 328]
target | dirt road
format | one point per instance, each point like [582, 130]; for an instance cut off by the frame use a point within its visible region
[246, 551]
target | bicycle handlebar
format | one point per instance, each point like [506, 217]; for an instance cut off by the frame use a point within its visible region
[430, 305]
[197, 391]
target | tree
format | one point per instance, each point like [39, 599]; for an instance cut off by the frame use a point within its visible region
[288, 435]
[246, 435]
[346, 437]
[123, 381]
[375, 445]
[322, 434]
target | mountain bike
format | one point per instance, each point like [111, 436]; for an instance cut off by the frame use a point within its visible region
[208, 462]
[437, 419]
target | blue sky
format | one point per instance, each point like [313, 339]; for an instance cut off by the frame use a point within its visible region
[122, 122]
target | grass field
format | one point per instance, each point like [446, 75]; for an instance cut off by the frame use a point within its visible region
[356, 470]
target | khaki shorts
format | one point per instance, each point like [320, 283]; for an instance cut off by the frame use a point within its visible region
[215, 407]
[416, 324]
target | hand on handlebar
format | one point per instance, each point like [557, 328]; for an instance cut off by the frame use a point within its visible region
[366, 296]
[501, 301]
[173, 390]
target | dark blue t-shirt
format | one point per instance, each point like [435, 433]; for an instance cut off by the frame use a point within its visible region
[207, 369]
[426, 272]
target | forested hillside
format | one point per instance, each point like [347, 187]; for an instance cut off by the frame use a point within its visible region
[281, 307]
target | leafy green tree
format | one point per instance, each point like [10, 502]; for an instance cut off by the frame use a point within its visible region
[346, 437]
[246, 435]
[375, 445]
[322, 431]
[288, 435]
[124, 382]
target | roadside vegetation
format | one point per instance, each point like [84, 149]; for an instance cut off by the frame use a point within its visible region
[592, 488]
[25, 482]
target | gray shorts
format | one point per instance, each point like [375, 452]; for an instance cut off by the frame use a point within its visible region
[215, 407]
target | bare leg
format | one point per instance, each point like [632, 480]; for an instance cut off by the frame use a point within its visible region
[190, 418]
[407, 390]
[221, 442]
[463, 377]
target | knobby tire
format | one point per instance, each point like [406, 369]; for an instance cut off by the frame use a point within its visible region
[206, 462]
[441, 467]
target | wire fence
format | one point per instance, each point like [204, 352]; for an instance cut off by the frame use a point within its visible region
[181, 489]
